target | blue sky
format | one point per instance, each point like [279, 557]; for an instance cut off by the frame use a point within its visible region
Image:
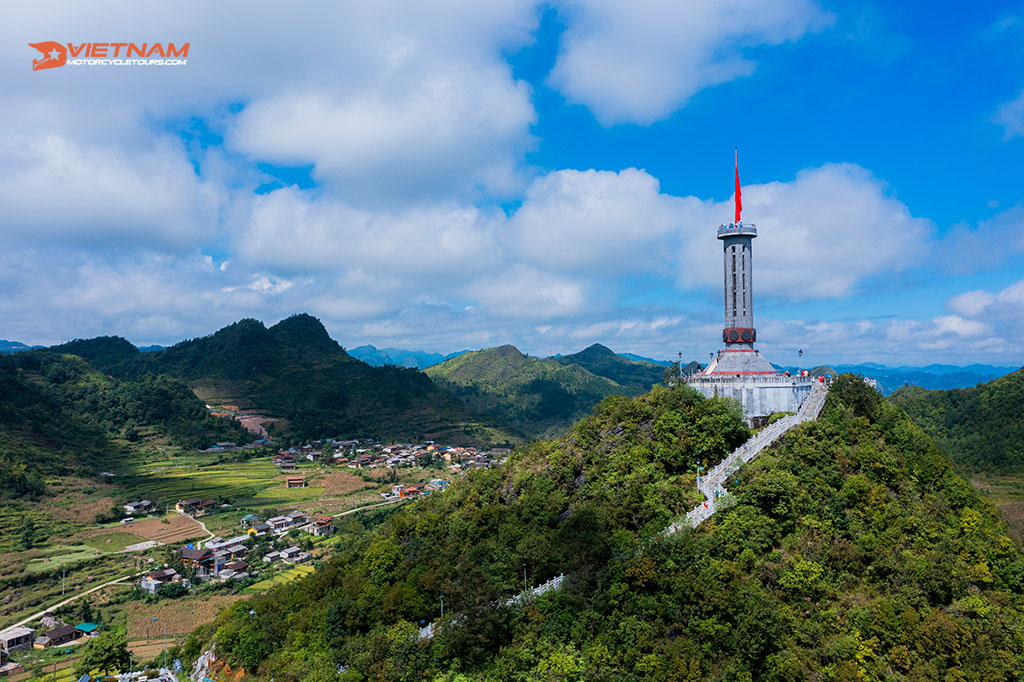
[549, 174]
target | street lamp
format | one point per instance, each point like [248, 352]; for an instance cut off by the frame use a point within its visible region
[799, 355]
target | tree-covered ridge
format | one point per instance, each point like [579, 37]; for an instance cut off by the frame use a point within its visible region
[982, 428]
[39, 438]
[537, 396]
[113, 406]
[296, 372]
[603, 361]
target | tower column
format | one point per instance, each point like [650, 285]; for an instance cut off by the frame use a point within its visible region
[739, 332]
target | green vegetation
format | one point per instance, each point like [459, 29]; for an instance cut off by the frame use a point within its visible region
[281, 578]
[852, 551]
[538, 396]
[603, 362]
[40, 436]
[294, 371]
[982, 428]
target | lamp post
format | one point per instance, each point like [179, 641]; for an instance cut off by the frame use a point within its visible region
[525, 588]
[799, 355]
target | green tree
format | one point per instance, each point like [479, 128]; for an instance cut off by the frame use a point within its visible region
[107, 653]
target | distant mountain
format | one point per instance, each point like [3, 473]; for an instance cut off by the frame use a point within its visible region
[931, 376]
[14, 346]
[537, 396]
[641, 358]
[981, 427]
[150, 349]
[417, 359]
[602, 361]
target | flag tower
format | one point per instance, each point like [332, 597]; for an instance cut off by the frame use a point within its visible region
[739, 370]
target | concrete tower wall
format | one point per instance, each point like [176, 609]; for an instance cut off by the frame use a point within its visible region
[739, 283]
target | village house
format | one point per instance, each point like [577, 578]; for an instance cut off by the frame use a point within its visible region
[260, 529]
[290, 553]
[271, 557]
[18, 638]
[249, 520]
[196, 558]
[187, 506]
[295, 482]
[59, 635]
[89, 629]
[140, 507]
[322, 526]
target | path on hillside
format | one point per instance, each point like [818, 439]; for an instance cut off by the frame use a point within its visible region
[712, 486]
[369, 506]
[37, 616]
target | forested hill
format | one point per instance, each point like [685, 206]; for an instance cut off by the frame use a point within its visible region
[40, 438]
[604, 362]
[538, 396]
[852, 552]
[296, 372]
[59, 415]
[982, 428]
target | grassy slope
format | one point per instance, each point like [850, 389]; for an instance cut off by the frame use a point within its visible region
[602, 361]
[853, 551]
[537, 396]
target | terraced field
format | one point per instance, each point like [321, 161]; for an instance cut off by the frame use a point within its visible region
[287, 576]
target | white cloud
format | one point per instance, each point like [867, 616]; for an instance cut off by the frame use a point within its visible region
[639, 61]
[295, 230]
[1011, 117]
[54, 188]
[524, 292]
[578, 221]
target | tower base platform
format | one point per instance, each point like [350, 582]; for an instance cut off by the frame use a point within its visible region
[760, 394]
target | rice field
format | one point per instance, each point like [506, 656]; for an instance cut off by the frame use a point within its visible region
[293, 573]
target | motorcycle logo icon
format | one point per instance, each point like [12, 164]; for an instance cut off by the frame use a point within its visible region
[54, 55]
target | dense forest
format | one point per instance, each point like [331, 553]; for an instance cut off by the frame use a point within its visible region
[851, 551]
[982, 428]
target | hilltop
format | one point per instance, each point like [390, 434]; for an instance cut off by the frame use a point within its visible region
[539, 395]
[604, 362]
[982, 427]
[835, 561]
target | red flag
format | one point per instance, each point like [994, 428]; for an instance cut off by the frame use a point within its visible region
[739, 200]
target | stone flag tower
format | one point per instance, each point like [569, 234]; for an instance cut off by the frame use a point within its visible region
[739, 370]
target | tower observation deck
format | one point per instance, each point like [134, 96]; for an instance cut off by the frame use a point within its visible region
[739, 370]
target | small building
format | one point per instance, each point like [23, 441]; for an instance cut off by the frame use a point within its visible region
[411, 491]
[237, 566]
[88, 629]
[287, 465]
[57, 636]
[188, 505]
[290, 553]
[195, 558]
[17, 638]
[140, 507]
[260, 528]
[249, 520]
[322, 526]
[271, 557]
[150, 585]
[295, 482]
